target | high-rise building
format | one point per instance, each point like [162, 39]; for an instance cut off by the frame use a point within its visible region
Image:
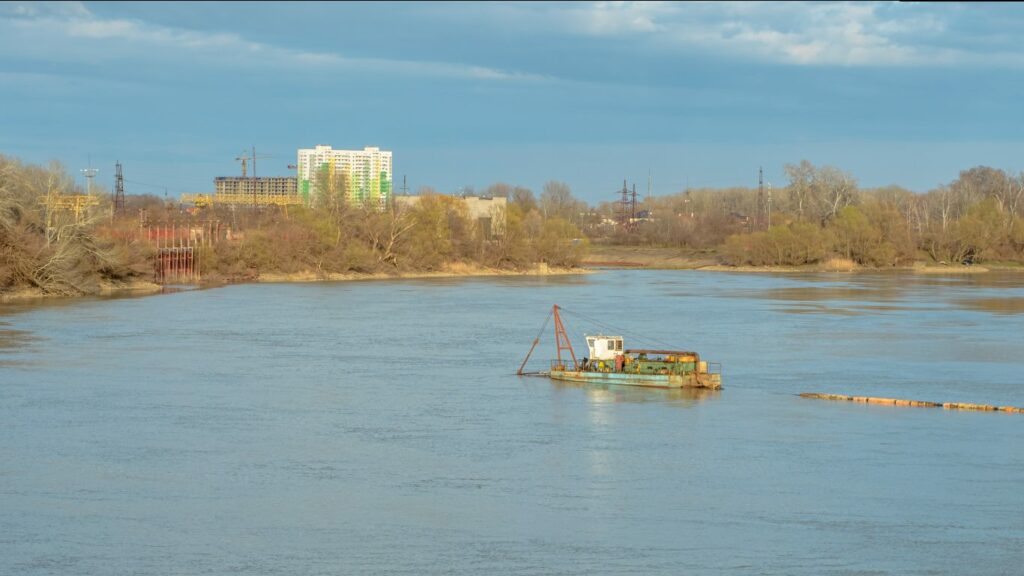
[362, 177]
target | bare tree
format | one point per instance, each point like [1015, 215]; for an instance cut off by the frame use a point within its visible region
[801, 188]
[556, 200]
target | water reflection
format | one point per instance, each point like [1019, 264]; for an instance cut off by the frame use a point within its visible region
[996, 292]
[13, 340]
[601, 394]
[819, 309]
[1010, 305]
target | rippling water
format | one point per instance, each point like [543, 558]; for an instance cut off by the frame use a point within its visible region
[377, 427]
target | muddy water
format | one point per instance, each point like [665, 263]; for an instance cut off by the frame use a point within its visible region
[377, 427]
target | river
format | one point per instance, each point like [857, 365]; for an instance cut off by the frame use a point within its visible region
[378, 428]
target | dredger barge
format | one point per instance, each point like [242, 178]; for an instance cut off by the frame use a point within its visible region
[610, 363]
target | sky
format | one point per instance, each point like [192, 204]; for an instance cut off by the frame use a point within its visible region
[674, 95]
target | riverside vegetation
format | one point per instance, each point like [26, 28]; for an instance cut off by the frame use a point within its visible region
[820, 218]
[52, 252]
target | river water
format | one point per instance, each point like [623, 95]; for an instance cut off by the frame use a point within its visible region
[378, 428]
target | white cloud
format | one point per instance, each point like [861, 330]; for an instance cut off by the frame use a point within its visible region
[73, 33]
[807, 34]
[615, 18]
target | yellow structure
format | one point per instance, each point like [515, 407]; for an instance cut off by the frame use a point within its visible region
[204, 200]
[76, 203]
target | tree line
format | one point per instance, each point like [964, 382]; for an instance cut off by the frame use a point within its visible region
[822, 214]
[56, 252]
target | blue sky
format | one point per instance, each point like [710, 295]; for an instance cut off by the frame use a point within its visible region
[465, 94]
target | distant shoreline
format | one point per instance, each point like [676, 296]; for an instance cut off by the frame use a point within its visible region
[653, 258]
[142, 288]
[451, 271]
[619, 258]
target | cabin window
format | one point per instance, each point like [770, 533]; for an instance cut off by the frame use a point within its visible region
[618, 344]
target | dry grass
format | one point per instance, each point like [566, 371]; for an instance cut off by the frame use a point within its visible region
[837, 264]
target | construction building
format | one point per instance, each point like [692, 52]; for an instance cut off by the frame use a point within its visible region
[244, 191]
[259, 187]
[363, 177]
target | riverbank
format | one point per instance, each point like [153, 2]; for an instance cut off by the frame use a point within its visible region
[136, 288]
[658, 258]
[458, 270]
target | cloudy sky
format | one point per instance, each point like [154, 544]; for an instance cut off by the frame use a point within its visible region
[694, 94]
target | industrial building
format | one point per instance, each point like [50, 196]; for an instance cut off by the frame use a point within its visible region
[363, 176]
[487, 211]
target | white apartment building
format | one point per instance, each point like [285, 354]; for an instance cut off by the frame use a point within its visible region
[364, 176]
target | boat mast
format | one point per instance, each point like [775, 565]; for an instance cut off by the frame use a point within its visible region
[562, 339]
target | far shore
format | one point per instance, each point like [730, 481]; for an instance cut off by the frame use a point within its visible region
[656, 258]
[614, 257]
[450, 271]
[142, 288]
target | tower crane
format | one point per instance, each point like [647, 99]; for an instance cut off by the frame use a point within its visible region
[248, 156]
[244, 160]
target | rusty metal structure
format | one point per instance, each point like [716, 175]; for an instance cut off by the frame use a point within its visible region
[177, 253]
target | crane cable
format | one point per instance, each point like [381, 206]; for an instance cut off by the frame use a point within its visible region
[618, 329]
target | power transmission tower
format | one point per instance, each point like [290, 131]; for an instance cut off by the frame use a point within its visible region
[760, 198]
[632, 206]
[119, 206]
[624, 206]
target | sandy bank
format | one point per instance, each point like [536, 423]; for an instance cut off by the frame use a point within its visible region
[139, 287]
[450, 271]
